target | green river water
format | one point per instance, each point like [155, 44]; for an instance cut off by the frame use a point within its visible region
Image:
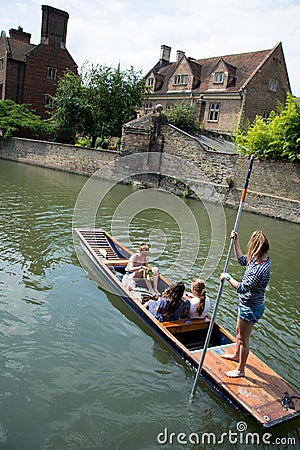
[78, 369]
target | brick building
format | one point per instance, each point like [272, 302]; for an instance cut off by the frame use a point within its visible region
[224, 89]
[28, 72]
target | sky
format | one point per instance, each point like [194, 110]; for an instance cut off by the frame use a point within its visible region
[131, 32]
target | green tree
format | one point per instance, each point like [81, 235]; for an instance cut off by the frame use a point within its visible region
[16, 119]
[183, 116]
[72, 111]
[278, 137]
[98, 102]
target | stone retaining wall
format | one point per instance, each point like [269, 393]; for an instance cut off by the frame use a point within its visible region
[64, 157]
[274, 188]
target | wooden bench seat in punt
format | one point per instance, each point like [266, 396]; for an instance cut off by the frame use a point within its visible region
[181, 325]
[115, 262]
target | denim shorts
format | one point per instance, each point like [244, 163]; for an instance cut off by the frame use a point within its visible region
[251, 314]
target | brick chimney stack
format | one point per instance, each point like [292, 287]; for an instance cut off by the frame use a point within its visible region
[54, 24]
[19, 35]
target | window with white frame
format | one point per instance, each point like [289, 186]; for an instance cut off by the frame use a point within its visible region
[52, 73]
[184, 79]
[219, 77]
[180, 80]
[148, 108]
[273, 85]
[176, 79]
[150, 82]
[214, 110]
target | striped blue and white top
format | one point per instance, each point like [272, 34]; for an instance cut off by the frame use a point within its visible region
[253, 285]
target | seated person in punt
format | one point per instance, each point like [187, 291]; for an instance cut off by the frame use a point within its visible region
[197, 303]
[171, 305]
[138, 267]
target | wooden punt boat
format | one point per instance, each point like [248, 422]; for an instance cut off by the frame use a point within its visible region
[262, 393]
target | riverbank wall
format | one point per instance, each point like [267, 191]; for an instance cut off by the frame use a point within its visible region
[274, 188]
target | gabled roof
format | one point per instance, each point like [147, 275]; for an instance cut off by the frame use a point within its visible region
[230, 68]
[246, 64]
[243, 66]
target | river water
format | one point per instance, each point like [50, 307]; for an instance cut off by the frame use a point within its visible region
[78, 369]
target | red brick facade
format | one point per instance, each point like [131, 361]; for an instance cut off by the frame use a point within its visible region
[28, 72]
[224, 90]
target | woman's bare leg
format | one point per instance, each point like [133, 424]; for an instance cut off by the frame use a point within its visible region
[244, 331]
[155, 279]
[236, 354]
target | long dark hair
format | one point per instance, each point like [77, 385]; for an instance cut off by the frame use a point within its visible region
[174, 295]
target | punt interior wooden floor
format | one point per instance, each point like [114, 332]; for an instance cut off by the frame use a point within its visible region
[260, 392]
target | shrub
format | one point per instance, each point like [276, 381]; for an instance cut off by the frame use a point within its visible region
[278, 137]
[183, 116]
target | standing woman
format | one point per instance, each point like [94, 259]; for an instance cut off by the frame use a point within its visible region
[138, 265]
[251, 292]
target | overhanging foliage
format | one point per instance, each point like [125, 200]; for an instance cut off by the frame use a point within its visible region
[278, 137]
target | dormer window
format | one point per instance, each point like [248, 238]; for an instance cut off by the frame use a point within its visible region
[231, 81]
[150, 82]
[180, 80]
[219, 77]
[273, 85]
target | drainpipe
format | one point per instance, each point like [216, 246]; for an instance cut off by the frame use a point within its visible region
[18, 83]
[243, 97]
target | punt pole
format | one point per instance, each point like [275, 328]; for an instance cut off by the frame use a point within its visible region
[212, 320]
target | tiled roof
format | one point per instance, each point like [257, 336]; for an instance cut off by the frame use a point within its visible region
[18, 49]
[195, 67]
[242, 66]
[245, 63]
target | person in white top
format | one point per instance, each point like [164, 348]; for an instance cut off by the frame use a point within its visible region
[199, 302]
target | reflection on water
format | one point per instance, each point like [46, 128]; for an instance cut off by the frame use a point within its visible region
[80, 370]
